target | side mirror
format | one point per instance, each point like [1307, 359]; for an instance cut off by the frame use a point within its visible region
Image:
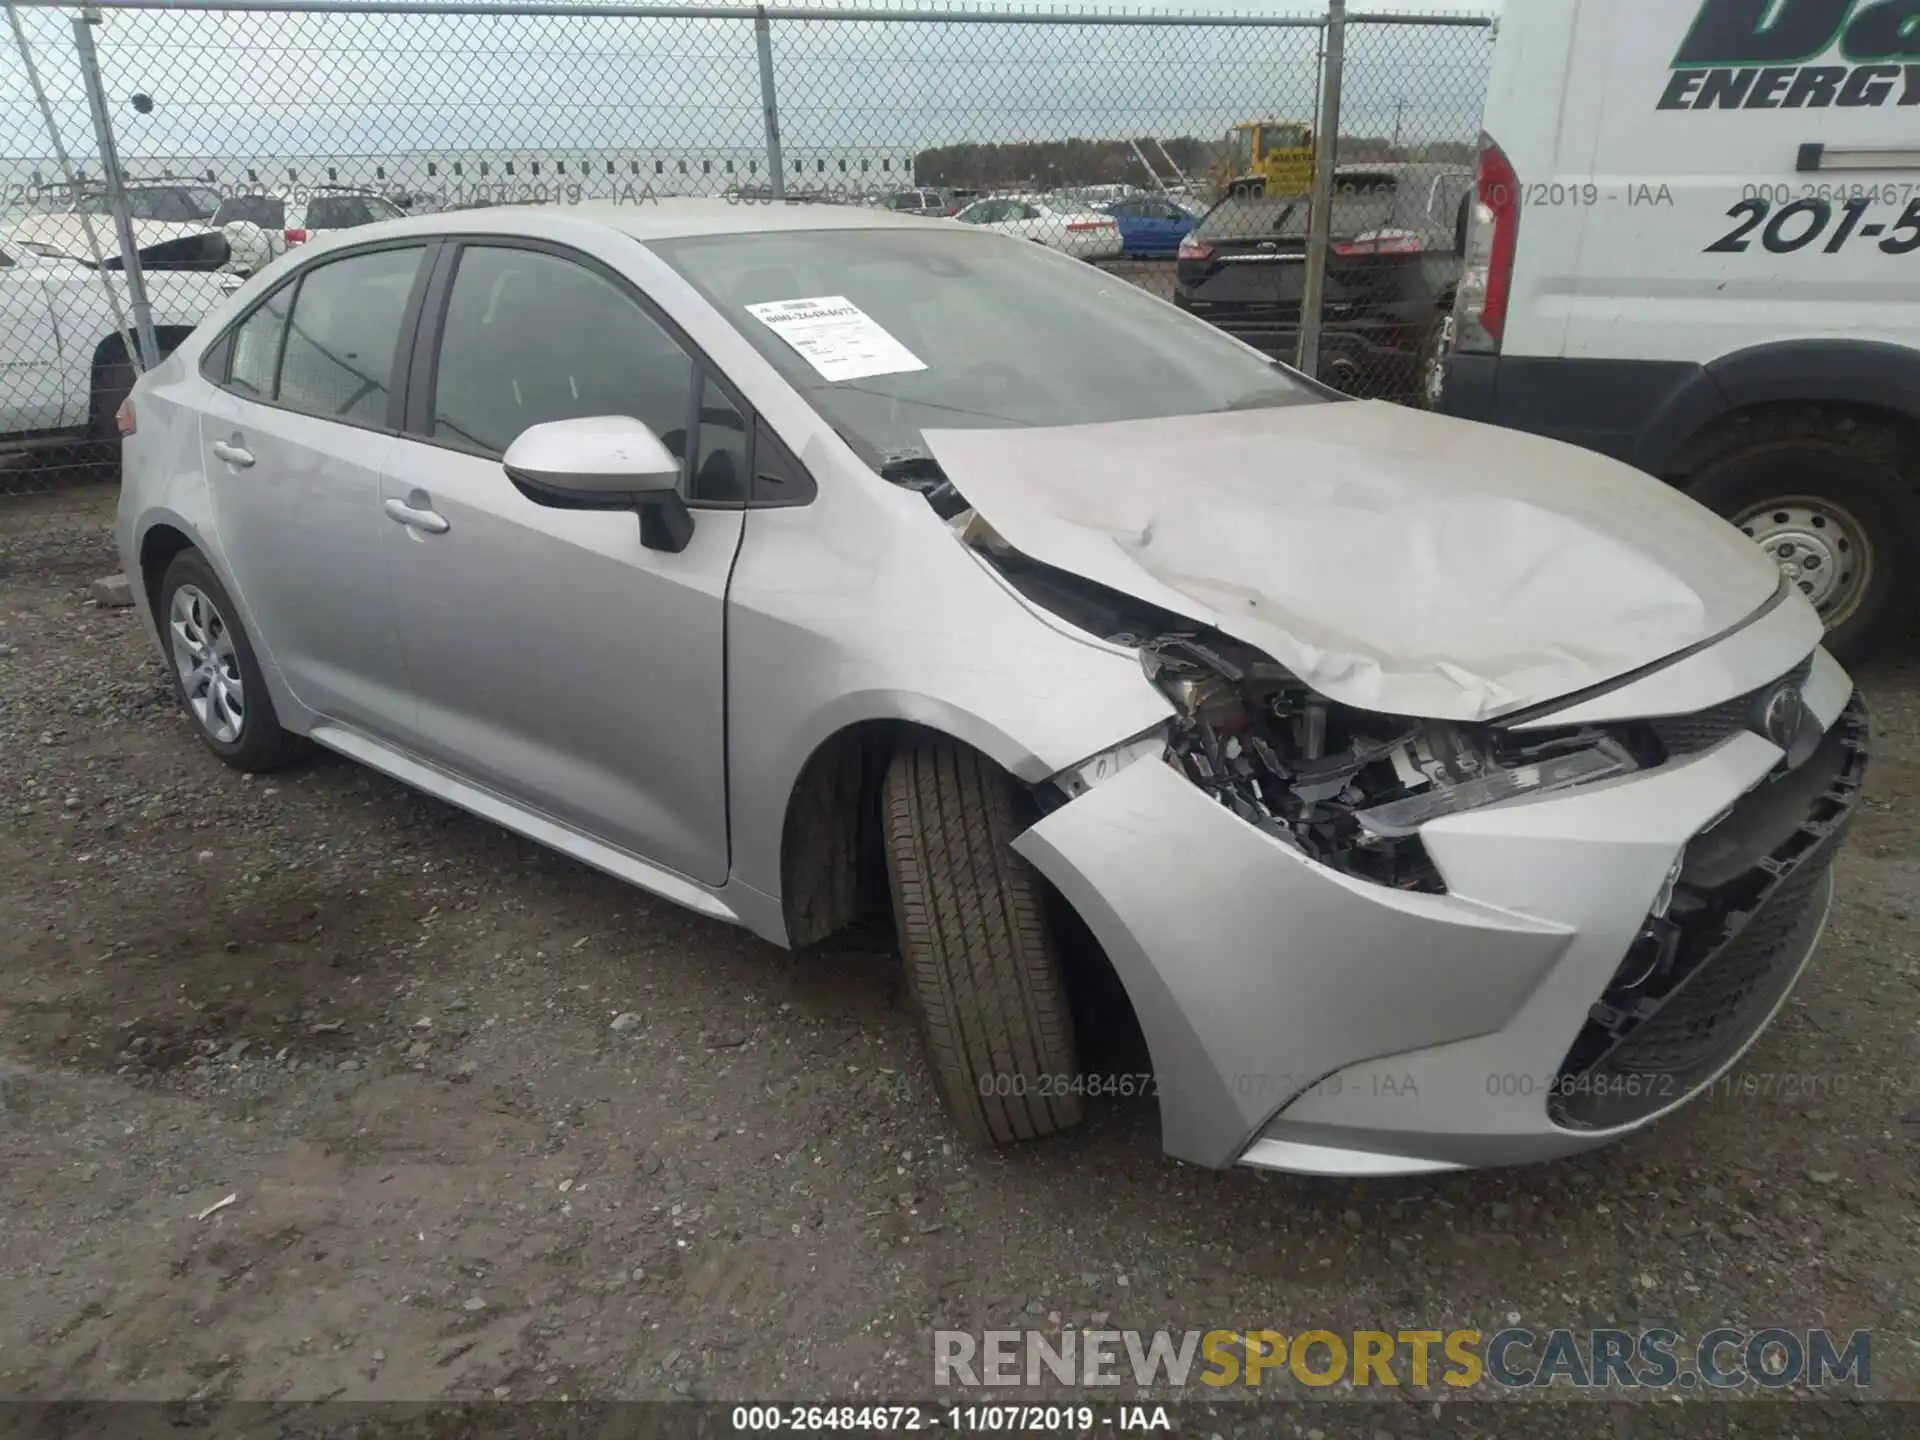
[603, 462]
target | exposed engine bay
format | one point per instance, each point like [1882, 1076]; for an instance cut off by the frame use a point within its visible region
[1348, 788]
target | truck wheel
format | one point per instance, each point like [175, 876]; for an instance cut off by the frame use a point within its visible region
[112, 382]
[1825, 500]
[982, 963]
[1434, 351]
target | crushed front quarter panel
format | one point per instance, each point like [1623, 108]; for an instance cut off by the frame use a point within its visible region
[1255, 971]
[1393, 560]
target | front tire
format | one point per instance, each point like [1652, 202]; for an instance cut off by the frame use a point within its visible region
[215, 672]
[982, 963]
[1829, 504]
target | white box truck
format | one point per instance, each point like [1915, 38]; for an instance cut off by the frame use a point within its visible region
[1696, 248]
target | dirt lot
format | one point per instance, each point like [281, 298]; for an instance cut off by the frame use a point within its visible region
[496, 1125]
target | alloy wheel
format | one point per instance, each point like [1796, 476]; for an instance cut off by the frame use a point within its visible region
[208, 666]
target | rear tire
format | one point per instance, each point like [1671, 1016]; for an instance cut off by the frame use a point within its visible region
[215, 672]
[982, 963]
[1828, 501]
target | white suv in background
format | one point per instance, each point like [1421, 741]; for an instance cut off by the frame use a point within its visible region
[1695, 250]
[260, 226]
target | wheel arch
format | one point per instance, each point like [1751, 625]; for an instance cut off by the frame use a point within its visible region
[1868, 379]
[829, 822]
[161, 539]
[833, 873]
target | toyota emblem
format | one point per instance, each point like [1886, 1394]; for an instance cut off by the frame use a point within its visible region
[1780, 720]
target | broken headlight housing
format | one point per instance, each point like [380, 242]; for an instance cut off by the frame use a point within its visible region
[1350, 788]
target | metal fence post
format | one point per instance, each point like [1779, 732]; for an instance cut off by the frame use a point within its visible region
[149, 355]
[1320, 220]
[769, 104]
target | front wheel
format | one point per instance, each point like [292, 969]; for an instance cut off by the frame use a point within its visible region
[982, 963]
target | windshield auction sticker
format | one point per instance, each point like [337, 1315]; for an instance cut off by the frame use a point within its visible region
[836, 337]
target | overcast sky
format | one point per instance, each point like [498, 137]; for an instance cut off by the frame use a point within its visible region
[272, 84]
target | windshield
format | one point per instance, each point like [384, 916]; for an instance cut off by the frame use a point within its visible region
[1004, 333]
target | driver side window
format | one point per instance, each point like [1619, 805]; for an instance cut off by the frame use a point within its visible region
[531, 337]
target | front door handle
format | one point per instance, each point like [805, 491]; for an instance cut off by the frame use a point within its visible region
[430, 521]
[232, 454]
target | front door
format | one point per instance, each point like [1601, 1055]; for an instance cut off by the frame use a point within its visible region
[556, 660]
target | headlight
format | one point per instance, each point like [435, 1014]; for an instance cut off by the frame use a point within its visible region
[1349, 788]
[1535, 777]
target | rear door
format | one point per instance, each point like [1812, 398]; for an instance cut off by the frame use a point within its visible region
[1163, 225]
[293, 440]
[556, 660]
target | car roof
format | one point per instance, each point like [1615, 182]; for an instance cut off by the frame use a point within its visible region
[649, 219]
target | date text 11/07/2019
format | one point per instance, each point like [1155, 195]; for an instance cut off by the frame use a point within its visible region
[964, 1419]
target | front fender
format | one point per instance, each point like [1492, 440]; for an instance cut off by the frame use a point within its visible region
[907, 625]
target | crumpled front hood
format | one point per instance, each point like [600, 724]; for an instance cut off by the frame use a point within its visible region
[1392, 559]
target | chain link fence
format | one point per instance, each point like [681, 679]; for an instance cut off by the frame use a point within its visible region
[1176, 149]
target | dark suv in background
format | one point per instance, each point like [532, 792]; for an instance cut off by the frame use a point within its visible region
[1398, 235]
[924, 201]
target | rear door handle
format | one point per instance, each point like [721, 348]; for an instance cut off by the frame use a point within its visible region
[430, 521]
[232, 454]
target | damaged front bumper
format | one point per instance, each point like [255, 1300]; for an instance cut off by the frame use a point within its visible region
[1304, 1019]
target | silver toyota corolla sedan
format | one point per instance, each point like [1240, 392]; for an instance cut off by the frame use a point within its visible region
[1437, 796]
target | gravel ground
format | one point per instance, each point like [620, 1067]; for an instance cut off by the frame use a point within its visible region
[497, 1125]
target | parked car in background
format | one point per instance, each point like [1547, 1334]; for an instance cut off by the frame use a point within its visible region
[1083, 234]
[923, 201]
[62, 355]
[262, 226]
[161, 211]
[1398, 232]
[1715, 274]
[1151, 226]
[774, 559]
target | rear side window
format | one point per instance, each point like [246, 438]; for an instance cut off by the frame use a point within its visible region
[530, 337]
[256, 347]
[339, 355]
[269, 212]
[338, 212]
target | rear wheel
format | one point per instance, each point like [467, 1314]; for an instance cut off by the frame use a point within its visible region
[1828, 503]
[215, 673]
[983, 966]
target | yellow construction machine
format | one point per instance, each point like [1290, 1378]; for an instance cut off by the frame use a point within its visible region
[1270, 156]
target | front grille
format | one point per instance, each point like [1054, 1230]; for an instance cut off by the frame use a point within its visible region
[1701, 980]
[1689, 734]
